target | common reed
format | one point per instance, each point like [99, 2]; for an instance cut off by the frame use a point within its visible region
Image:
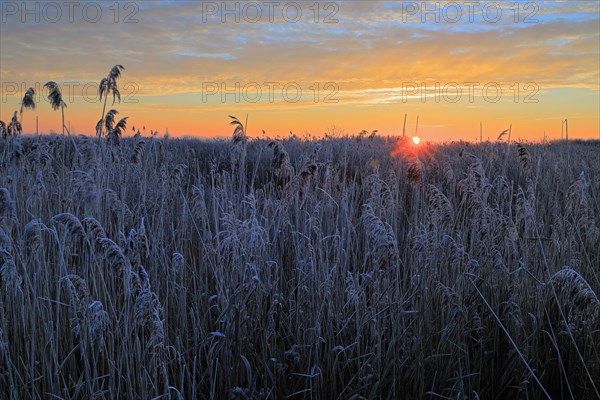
[147, 267]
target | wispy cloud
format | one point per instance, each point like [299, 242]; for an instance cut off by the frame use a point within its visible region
[175, 48]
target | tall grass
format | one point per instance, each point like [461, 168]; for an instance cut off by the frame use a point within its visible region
[160, 268]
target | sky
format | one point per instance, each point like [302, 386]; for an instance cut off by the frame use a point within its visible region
[310, 67]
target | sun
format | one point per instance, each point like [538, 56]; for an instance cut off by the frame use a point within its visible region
[416, 140]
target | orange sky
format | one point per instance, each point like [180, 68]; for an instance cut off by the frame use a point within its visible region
[191, 64]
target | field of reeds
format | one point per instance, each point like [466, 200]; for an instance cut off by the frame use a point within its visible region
[340, 268]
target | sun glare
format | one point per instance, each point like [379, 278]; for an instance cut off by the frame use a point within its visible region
[416, 140]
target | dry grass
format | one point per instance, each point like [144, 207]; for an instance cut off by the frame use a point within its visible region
[150, 268]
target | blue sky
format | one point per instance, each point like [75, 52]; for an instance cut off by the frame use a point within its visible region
[172, 50]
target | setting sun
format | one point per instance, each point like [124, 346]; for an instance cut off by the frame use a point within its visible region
[416, 140]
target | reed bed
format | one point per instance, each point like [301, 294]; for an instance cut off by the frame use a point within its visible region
[348, 268]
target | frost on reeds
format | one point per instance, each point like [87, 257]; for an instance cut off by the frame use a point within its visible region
[11, 278]
[80, 298]
[242, 237]
[580, 211]
[88, 157]
[94, 229]
[6, 204]
[71, 223]
[149, 315]
[308, 170]
[32, 235]
[572, 311]
[198, 205]
[136, 245]
[342, 277]
[99, 323]
[86, 187]
[524, 157]
[525, 210]
[383, 242]
[136, 156]
[176, 178]
[281, 161]
[117, 261]
[90, 321]
[177, 263]
[112, 201]
[442, 210]
[6, 244]
[414, 172]
[475, 169]
[580, 305]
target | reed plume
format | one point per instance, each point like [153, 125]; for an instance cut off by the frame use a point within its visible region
[281, 160]
[108, 86]
[56, 100]
[524, 157]
[15, 128]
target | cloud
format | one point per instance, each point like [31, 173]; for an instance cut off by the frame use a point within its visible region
[174, 49]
